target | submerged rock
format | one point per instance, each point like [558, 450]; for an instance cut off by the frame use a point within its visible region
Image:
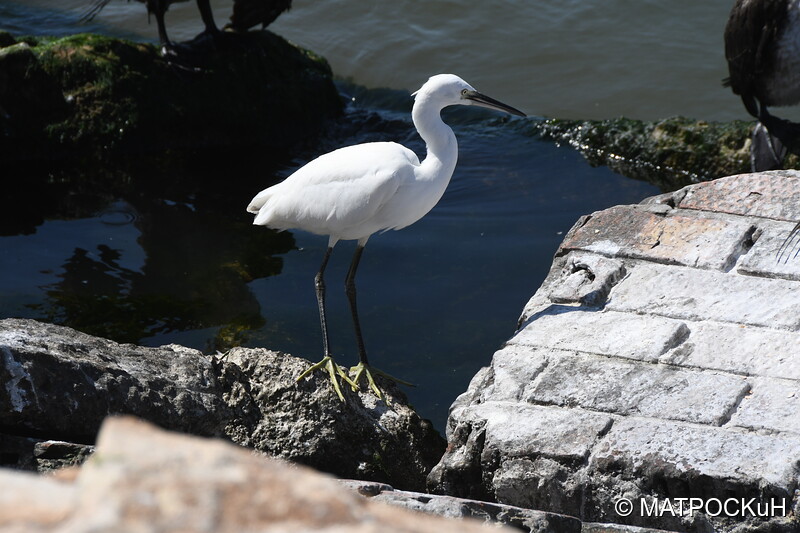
[657, 365]
[61, 384]
[88, 95]
[669, 153]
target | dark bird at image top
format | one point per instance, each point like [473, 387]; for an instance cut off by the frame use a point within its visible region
[762, 46]
[246, 14]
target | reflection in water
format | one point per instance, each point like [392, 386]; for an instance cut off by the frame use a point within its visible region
[199, 254]
[194, 277]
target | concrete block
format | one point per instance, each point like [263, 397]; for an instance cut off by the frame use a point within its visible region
[518, 430]
[693, 294]
[773, 194]
[772, 404]
[673, 238]
[767, 258]
[589, 330]
[635, 388]
[738, 349]
[586, 279]
[710, 460]
[514, 367]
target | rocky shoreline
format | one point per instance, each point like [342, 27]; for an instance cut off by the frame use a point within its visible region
[656, 363]
[89, 97]
[61, 384]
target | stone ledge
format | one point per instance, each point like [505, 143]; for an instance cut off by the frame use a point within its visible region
[61, 384]
[685, 357]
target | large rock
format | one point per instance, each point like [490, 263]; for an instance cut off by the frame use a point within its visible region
[144, 479]
[59, 384]
[365, 438]
[85, 96]
[657, 363]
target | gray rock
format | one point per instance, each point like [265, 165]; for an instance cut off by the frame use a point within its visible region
[365, 438]
[449, 507]
[553, 331]
[61, 384]
[741, 350]
[676, 293]
[645, 232]
[55, 454]
[657, 363]
[28, 453]
[631, 388]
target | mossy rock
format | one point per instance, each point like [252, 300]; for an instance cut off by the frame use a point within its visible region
[670, 153]
[87, 95]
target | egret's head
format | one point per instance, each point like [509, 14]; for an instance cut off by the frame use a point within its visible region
[449, 89]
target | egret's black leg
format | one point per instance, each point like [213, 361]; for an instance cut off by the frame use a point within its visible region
[319, 288]
[350, 290]
[363, 366]
[327, 360]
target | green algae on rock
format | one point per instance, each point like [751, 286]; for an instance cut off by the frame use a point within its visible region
[87, 95]
[669, 153]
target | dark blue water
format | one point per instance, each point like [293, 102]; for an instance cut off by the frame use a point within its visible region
[161, 258]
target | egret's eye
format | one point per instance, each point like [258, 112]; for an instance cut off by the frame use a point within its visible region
[464, 92]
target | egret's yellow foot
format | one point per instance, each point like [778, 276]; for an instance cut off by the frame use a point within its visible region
[333, 369]
[362, 369]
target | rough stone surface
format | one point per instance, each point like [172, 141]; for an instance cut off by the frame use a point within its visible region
[449, 507]
[592, 382]
[145, 479]
[674, 292]
[553, 331]
[88, 96]
[658, 361]
[365, 438]
[645, 232]
[61, 384]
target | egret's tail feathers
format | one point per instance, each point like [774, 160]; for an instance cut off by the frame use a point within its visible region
[264, 218]
[259, 200]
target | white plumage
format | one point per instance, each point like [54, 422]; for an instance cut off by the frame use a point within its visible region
[354, 192]
[349, 193]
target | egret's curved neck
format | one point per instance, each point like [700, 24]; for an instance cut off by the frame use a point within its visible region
[439, 139]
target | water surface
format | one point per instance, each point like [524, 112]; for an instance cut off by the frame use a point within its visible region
[568, 58]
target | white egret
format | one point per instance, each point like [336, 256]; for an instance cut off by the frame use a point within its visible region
[353, 192]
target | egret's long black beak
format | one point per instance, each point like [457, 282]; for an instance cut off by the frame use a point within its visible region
[485, 101]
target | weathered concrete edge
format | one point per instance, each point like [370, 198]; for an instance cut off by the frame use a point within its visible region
[497, 513]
